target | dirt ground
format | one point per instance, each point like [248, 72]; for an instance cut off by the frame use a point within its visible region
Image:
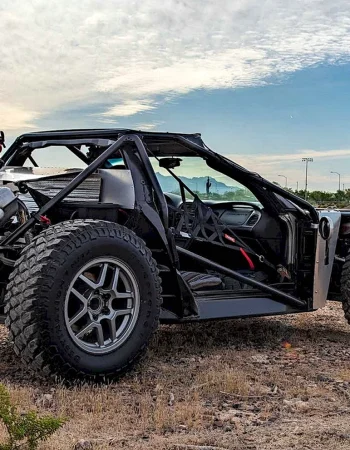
[265, 383]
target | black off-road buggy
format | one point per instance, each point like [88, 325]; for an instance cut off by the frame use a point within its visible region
[93, 257]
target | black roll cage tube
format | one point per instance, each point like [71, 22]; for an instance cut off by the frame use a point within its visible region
[255, 178]
[127, 138]
[231, 168]
[184, 187]
[82, 176]
[283, 297]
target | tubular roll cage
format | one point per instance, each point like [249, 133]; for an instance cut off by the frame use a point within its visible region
[217, 160]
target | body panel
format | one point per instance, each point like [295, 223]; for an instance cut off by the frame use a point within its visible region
[117, 187]
[325, 253]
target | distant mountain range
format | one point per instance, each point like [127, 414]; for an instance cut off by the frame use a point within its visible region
[169, 184]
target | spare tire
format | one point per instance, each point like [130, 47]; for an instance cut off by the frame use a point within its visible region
[83, 300]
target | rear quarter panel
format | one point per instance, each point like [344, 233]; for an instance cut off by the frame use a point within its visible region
[325, 253]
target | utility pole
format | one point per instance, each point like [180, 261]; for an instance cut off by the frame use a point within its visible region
[306, 160]
[338, 178]
[297, 186]
[285, 178]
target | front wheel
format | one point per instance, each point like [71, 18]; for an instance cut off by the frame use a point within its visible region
[83, 300]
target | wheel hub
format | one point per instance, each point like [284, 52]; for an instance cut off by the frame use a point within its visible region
[95, 305]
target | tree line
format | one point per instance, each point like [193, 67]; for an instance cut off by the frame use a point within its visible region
[339, 199]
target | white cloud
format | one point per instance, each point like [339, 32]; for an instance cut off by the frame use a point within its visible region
[13, 117]
[148, 126]
[126, 54]
[128, 108]
[276, 159]
[291, 165]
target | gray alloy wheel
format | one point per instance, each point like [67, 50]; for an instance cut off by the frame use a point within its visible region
[102, 305]
[83, 300]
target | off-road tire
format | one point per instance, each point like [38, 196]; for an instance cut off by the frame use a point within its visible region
[345, 288]
[36, 294]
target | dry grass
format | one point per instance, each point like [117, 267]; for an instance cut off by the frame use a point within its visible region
[229, 385]
[224, 378]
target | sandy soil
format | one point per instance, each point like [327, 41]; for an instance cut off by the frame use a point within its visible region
[265, 383]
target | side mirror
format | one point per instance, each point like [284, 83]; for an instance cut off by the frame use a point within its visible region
[169, 163]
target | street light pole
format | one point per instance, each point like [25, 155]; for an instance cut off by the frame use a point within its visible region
[306, 160]
[286, 179]
[338, 178]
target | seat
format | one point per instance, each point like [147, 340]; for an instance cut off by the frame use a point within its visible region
[199, 281]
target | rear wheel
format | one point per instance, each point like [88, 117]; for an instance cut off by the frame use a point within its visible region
[84, 299]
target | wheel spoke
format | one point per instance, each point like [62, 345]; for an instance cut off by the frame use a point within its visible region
[79, 296]
[78, 316]
[115, 279]
[124, 294]
[85, 330]
[127, 294]
[122, 312]
[103, 274]
[112, 329]
[91, 326]
[89, 282]
[100, 337]
[101, 279]
[122, 326]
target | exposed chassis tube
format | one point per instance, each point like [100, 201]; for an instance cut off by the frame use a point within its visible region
[277, 294]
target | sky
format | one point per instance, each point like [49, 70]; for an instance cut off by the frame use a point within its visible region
[265, 82]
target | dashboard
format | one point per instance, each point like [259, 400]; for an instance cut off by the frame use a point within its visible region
[237, 214]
